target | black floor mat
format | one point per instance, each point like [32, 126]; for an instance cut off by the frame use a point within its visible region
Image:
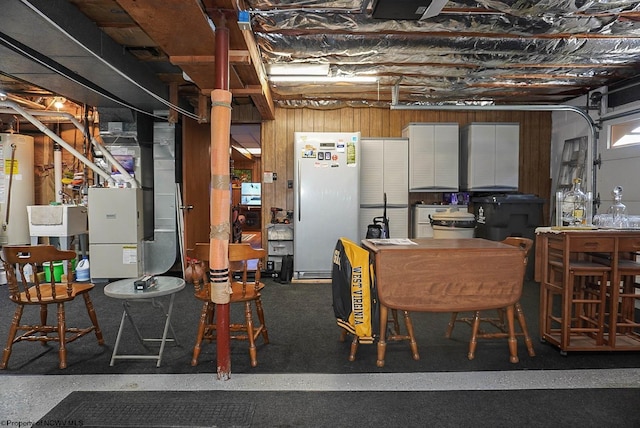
[522, 408]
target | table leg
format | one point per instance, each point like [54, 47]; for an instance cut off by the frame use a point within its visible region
[115, 347]
[127, 315]
[412, 339]
[159, 305]
[167, 325]
[615, 295]
[382, 342]
[513, 342]
[567, 295]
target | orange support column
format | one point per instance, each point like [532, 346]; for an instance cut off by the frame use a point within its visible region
[220, 202]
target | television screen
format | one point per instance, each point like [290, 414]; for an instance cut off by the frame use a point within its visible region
[250, 194]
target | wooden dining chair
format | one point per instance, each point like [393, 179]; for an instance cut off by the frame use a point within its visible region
[499, 321]
[245, 264]
[28, 287]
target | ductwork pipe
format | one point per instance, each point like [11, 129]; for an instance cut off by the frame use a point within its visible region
[35, 122]
[125, 174]
[57, 172]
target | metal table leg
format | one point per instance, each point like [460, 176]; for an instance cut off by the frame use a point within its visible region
[163, 340]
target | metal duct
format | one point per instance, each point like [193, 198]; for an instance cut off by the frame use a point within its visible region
[128, 137]
[161, 251]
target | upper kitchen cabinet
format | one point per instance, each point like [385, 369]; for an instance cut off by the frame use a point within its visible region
[383, 170]
[433, 156]
[489, 157]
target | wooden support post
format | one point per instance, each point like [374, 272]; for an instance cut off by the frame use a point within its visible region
[220, 202]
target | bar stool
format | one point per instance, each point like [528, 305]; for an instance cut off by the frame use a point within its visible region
[584, 299]
[629, 294]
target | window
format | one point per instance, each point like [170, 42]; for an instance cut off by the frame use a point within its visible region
[625, 133]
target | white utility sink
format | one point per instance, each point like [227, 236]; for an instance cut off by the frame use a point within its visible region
[57, 220]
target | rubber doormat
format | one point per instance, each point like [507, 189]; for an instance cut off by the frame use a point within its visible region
[584, 408]
[149, 409]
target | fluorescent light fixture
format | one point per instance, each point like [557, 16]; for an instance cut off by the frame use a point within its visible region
[298, 69]
[247, 151]
[323, 79]
[310, 73]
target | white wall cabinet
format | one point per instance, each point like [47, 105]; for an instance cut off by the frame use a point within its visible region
[489, 156]
[384, 169]
[433, 156]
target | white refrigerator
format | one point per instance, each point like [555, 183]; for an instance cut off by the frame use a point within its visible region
[326, 198]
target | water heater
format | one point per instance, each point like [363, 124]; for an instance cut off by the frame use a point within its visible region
[16, 187]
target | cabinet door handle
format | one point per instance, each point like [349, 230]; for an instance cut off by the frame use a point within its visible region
[186, 207]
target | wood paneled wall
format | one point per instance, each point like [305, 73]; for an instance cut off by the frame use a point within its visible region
[277, 142]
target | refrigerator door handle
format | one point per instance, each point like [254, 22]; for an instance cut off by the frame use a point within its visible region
[299, 190]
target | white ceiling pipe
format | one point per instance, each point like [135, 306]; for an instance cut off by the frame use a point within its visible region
[57, 173]
[57, 139]
[44, 116]
[125, 174]
[71, 118]
[24, 101]
[533, 107]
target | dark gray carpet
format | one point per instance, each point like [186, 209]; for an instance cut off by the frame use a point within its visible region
[304, 339]
[519, 408]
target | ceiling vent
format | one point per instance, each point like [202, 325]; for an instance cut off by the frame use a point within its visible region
[407, 9]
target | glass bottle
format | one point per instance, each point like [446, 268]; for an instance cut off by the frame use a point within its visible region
[574, 206]
[618, 210]
[28, 272]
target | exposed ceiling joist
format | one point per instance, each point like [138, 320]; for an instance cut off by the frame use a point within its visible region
[128, 52]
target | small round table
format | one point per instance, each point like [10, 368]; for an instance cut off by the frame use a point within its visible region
[124, 289]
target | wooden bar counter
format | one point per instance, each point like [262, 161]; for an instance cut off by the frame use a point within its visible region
[609, 308]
